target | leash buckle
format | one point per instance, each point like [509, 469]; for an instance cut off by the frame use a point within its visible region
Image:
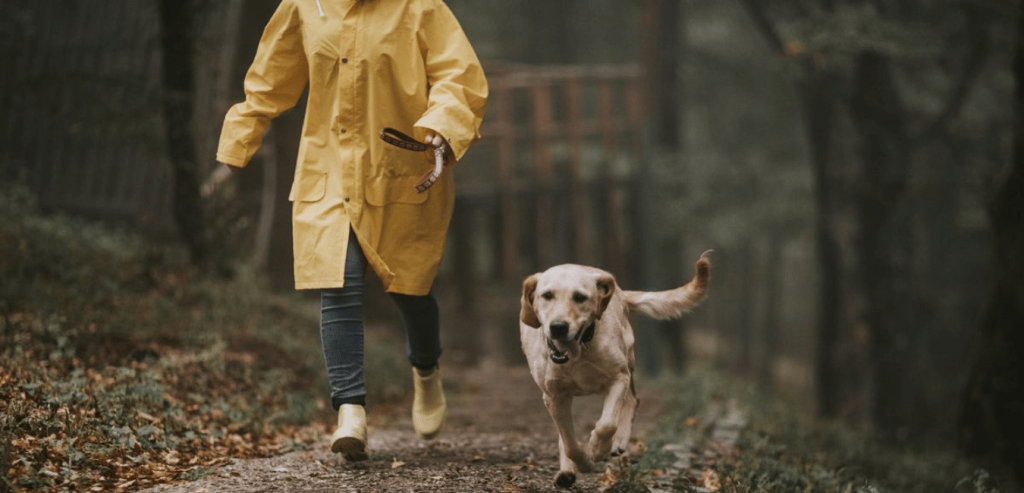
[403, 141]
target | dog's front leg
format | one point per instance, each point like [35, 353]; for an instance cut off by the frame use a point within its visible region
[571, 458]
[614, 406]
[630, 404]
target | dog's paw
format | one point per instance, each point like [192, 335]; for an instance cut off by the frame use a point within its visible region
[618, 452]
[580, 462]
[601, 443]
[599, 453]
[565, 479]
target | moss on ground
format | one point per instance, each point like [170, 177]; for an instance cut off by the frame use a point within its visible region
[782, 450]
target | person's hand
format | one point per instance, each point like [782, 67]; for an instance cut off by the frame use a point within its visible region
[437, 141]
[219, 174]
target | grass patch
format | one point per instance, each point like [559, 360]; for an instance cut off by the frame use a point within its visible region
[123, 367]
[781, 450]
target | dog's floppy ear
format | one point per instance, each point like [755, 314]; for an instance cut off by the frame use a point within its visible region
[605, 288]
[526, 313]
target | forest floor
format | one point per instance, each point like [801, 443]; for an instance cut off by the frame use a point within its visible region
[124, 368]
[497, 438]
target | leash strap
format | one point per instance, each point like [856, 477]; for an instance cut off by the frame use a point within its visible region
[403, 141]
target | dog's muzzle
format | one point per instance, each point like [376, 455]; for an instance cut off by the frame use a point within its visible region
[557, 357]
[582, 337]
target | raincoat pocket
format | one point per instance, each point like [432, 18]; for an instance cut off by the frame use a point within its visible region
[309, 187]
[384, 190]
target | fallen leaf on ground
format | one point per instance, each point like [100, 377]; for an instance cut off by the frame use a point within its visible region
[611, 476]
[709, 479]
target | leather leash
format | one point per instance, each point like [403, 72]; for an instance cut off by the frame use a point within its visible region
[403, 141]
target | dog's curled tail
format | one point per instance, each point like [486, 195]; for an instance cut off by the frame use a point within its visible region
[674, 303]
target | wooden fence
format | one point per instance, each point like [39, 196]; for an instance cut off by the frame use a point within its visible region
[555, 178]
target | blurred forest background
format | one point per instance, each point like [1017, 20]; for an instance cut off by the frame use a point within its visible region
[841, 157]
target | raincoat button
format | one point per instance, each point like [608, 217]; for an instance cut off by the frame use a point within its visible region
[346, 199]
[343, 130]
[344, 59]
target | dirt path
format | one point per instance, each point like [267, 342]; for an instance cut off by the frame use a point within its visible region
[497, 438]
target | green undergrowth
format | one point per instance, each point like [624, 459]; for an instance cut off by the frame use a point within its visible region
[783, 450]
[122, 367]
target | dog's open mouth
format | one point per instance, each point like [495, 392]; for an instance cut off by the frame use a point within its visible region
[557, 357]
[561, 351]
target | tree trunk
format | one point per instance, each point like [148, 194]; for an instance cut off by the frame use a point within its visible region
[774, 276]
[843, 367]
[867, 327]
[177, 43]
[885, 248]
[992, 403]
[662, 41]
[671, 42]
[744, 331]
[843, 371]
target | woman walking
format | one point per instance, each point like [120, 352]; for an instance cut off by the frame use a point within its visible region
[367, 64]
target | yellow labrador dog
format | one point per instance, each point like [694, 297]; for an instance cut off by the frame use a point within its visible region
[578, 341]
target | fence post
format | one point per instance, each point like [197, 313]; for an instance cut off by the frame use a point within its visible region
[540, 93]
[644, 249]
[508, 230]
[466, 281]
[577, 191]
[615, 254]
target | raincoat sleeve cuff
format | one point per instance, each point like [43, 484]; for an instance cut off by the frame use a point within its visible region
[459, 135]
[231, 160]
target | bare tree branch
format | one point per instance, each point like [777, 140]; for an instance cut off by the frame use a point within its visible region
[763, 24]
[975, 62]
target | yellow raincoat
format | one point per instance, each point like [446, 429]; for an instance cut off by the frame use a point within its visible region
[369, 64]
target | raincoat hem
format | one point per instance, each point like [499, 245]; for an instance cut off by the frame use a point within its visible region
[320, 284]
[409, 289]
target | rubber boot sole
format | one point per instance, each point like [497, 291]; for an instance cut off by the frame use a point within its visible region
[429, 436]
[350, 448]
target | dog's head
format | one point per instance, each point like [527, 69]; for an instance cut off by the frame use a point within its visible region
[566, 302]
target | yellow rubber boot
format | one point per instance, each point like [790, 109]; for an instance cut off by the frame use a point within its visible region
[428, 404]
[349, 438]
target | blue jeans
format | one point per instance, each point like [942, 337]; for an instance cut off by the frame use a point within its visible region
[341, 330]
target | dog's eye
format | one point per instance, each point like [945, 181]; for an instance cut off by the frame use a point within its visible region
[579, 297]
[548, 295]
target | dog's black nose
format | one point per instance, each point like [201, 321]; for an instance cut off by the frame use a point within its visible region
[559, 330]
